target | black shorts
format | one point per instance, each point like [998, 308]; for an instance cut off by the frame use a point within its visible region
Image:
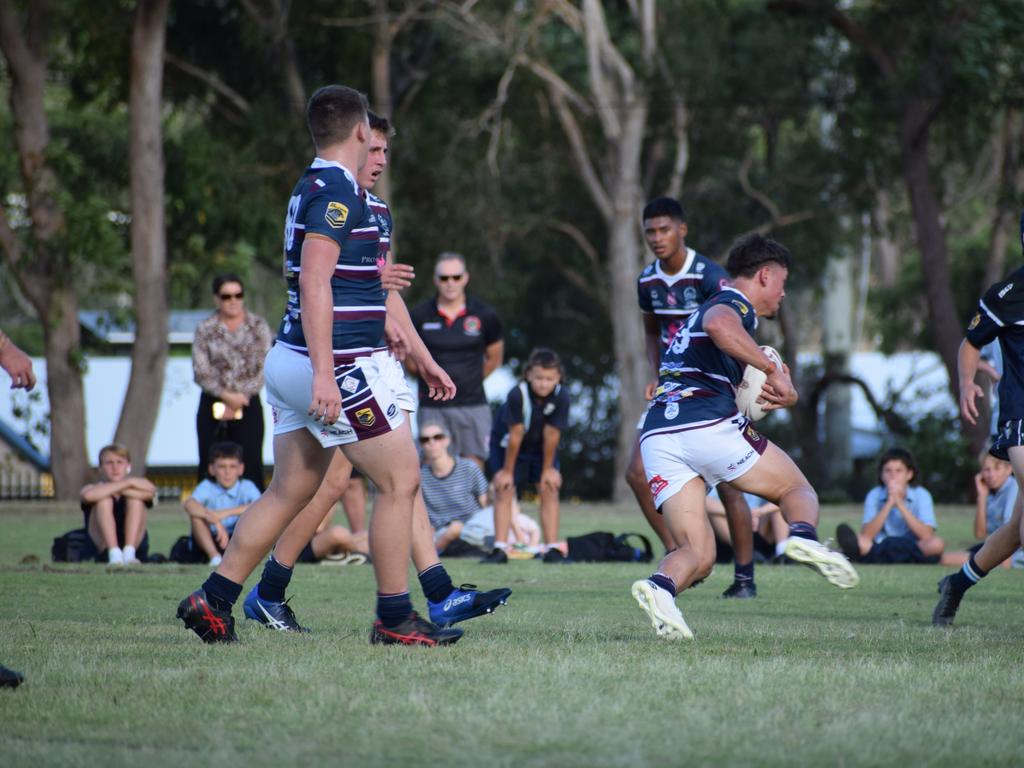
[1010, 433]
[898, 549]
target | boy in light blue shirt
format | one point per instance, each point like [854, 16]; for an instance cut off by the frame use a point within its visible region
[216, 505]
[899, 517]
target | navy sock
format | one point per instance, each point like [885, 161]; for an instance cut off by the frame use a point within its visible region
[221, 593]
[392, 610]
[664, 582]
[274, 581]
[967, 576]
[744, 572]
[436, 583]
[803, 530]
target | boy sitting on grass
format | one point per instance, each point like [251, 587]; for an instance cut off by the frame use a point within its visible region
[115, 509]
[216, 505]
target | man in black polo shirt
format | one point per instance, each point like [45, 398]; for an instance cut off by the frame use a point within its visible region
[464, 336]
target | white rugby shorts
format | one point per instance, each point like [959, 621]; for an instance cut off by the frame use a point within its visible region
[718, 452]
[394, 373]
[368, 407]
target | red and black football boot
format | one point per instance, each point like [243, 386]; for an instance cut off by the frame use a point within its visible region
[211, 625]
[415, 630]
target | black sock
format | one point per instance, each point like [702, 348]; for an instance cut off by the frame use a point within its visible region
[967, 576]
[664, 582]
[274, 581]
[803, 530]
[744, 572]
[392, 610]
[221, 593]
[436, 583]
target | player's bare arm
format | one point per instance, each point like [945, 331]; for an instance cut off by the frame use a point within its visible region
[967, 367]
[652, 348]
[319, 257]
[726, 330]
[439, 383]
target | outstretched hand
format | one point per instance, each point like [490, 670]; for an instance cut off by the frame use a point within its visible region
[968, 406]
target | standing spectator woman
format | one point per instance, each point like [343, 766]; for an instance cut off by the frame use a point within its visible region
[227, 363]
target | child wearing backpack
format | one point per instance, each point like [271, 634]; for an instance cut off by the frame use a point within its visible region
[524, 450]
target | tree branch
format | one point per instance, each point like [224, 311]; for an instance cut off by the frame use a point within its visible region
[578, 145]
[213, 81]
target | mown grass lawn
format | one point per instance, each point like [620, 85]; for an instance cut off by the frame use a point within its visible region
[569, 674]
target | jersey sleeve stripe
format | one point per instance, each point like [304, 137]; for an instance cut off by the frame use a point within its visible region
[991, 314]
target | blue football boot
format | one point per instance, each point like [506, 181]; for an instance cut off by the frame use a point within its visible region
[272, 615]
[465, 602]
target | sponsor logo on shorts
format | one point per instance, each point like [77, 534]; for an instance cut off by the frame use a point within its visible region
[657, 484]
[472, 325]
[337, 215]
[350, 384]
[274, 414]
[392, 411]
[671, 411]
[365, 417]
[335, 432]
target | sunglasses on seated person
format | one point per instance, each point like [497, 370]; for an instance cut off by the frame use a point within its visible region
[424, 439]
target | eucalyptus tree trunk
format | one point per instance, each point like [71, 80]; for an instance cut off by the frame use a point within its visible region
[40, 263]
[149, 241]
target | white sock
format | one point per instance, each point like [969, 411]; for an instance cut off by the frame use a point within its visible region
[115, 556]
[129, 554]
[501, 545]
[780, 548]
[215, 561]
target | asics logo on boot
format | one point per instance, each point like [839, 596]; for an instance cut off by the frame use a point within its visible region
[449, 604]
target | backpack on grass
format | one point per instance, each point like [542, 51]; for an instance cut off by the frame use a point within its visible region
[604, 547]
[73, 547]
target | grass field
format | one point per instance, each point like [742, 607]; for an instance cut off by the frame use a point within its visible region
[569, 674]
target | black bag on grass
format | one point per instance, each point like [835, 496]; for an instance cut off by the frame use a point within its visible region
[73, 547]
[604, 547]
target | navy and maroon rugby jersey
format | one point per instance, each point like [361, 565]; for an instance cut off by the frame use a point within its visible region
[697, 381]
[327, 202]
[1000, 315]
[673, 298]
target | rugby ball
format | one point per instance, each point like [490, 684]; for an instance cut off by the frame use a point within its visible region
[749, 388]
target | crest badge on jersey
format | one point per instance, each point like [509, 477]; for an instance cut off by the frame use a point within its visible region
[690, 297]
[337, 215]
[974, 321]
[472, 325]
[365, 417]
[671, 299]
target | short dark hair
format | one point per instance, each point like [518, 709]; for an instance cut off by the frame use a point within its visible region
[751, 252]
[225, 449]
[542, 357]
[901, 455]
[379, 123]
[664, 206]
[333, 111]
[225, 277]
